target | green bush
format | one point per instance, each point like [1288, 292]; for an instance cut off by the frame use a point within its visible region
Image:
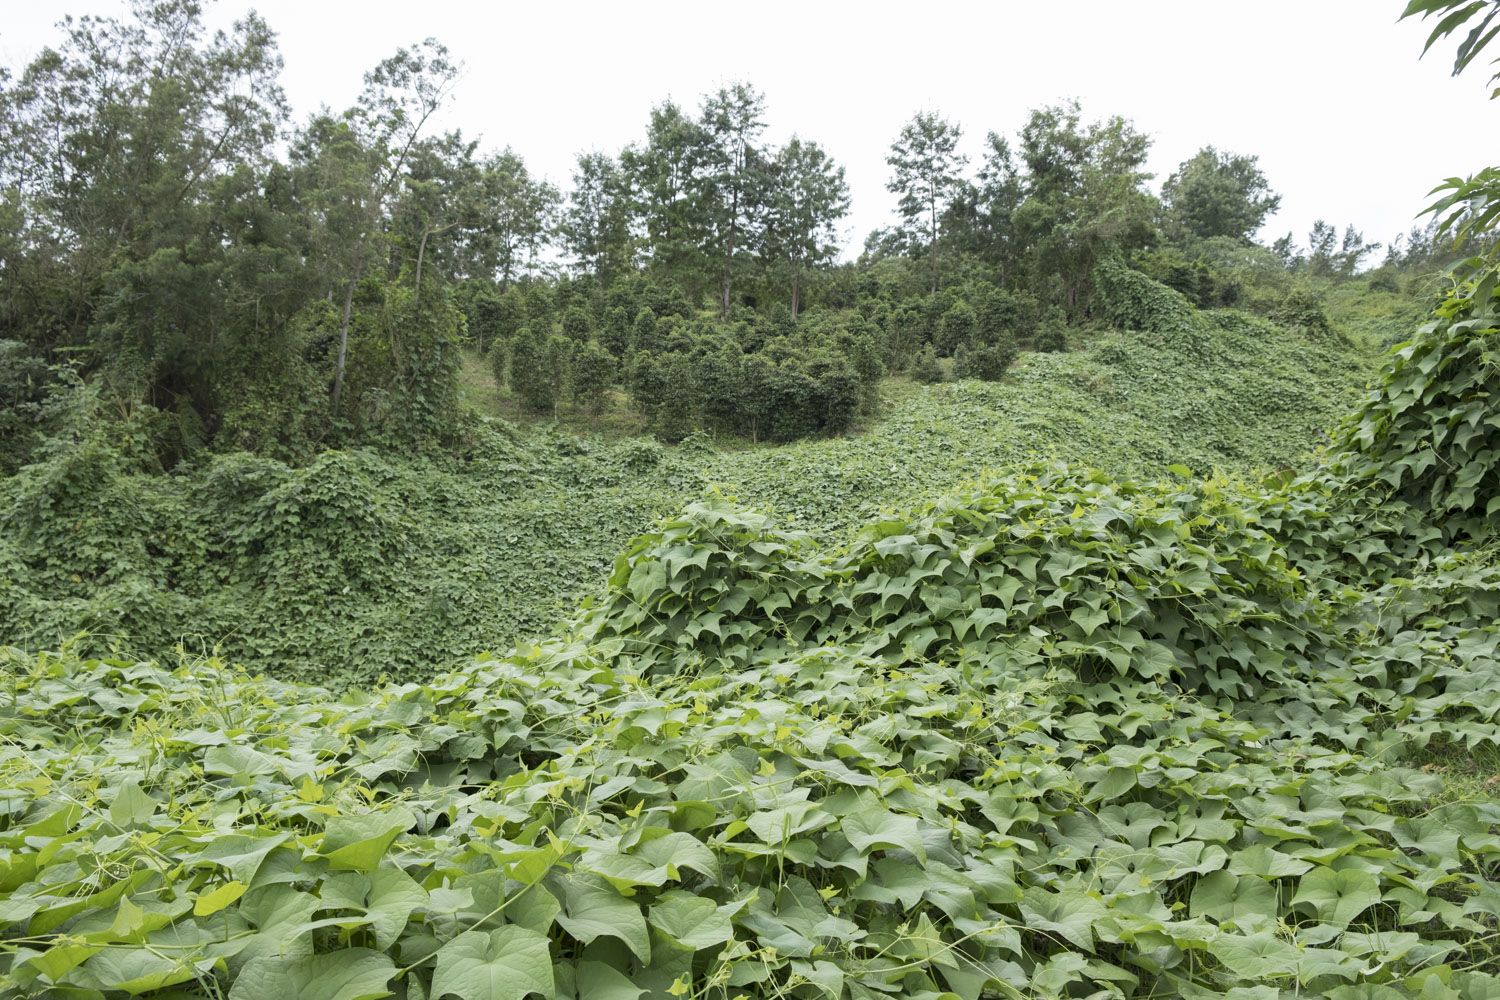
[1128, 299]
[987, 362]
[926, 367]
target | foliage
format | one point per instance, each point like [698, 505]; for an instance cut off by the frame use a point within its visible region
[1057, 734]
[1219, 194]
[520, 525]
[926, 368]
[1131, 301]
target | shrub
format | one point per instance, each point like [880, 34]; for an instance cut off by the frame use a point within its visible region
[957, 328]
[1130, 300]
[988, 362]
[926, 367]
[593, 374]
[1302, 310]
[1052, 336]
[576, 324]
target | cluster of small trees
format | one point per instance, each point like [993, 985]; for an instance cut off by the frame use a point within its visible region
[753, 375]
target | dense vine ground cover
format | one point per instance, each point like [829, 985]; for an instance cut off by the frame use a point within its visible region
[1057, 735]
[366, 563]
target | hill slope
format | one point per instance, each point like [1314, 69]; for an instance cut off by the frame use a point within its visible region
[1056, 736]
[364, 564]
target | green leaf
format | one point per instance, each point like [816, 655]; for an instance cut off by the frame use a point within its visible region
[1226, 897]
[242, 854]
[357, 843]
[689, 920]
[1255, 956]
[393, 896]
[351, 974]
[593, 909]
[1267, 862]
[507, 963]
[131, 806]
[599, 981]
[1337, 897]
[872, 828]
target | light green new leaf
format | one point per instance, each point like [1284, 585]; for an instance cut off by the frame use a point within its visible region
[507, 963]
[212, 902]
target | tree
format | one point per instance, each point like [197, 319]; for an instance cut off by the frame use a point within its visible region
[438, 212]
[401, 94]
[662, 180]
[731, 177]
[593, 373]
[925, 174]
[595, 226]
[121, 150]
[1219, 194]
[981, 218]
[808, 196]
[520, 212]
[1085, 198]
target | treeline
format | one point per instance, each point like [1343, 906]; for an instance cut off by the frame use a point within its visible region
[222, 276]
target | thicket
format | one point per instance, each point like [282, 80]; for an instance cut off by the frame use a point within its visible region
[447, 553]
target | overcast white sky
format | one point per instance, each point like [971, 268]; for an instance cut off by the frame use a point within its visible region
[1348, 124]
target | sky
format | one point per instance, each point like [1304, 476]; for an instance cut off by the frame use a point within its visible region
[1349, 125]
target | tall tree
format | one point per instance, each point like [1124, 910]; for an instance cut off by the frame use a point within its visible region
[808, 196]
[595, 225]
[400, 97]
[1219, 194]
[981, 219]
[926, 170]
[520, 212]
[662, 174]
[731, 177]
[133, 156]
[437, 211]
[1085, 195]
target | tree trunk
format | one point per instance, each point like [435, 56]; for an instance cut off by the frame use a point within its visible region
[338, 368]
[421, 251]
[796, 298]
[933, 231]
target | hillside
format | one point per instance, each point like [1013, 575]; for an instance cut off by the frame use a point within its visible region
[370, 563]
[1054, 735]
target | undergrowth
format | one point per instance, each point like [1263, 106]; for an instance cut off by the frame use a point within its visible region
[366, 564]
[1057, 735]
